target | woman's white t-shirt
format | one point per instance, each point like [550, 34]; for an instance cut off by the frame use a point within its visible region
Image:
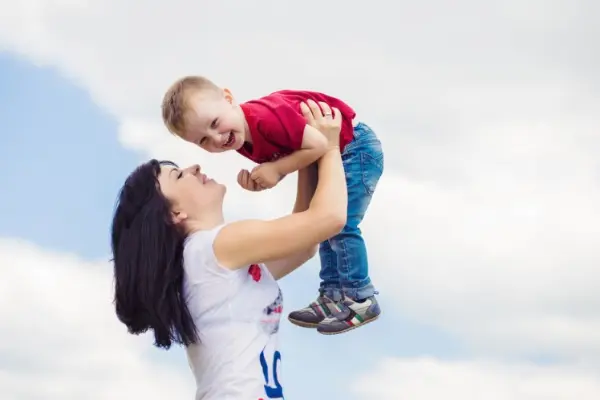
[237, 315]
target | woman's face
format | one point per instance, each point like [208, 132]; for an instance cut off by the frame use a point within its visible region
[190, 192]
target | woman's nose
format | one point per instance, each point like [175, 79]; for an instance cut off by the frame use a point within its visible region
[194, 169]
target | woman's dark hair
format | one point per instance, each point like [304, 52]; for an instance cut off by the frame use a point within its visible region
[147, 252]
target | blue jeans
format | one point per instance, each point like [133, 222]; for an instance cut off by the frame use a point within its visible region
[344, 264]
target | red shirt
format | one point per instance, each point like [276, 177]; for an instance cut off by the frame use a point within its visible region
[277, 125]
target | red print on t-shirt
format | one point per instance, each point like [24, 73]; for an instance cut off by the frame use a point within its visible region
[254, 271]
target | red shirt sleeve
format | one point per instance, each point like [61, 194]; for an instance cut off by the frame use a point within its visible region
[281, 123]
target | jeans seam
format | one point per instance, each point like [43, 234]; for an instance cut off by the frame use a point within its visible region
[344, 264]
[364, 170]
[327, 264]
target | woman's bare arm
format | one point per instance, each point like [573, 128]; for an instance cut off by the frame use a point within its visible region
[307, 183]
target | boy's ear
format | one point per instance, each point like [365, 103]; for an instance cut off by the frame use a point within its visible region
[228, 95]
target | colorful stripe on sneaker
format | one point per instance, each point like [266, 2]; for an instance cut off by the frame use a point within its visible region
[320, 309]
[355, 320]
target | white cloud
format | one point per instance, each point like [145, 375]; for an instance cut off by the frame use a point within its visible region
[506, 258]
[60, 336]
[486, 221]
[432, 379]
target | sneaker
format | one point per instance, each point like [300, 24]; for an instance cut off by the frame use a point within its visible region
[314, 313]
[352, 315]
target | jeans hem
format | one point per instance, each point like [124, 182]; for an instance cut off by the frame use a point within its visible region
[334, 292]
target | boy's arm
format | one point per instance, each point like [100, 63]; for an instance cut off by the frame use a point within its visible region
[313, 146]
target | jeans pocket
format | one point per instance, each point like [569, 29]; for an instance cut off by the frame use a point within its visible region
[371, 166]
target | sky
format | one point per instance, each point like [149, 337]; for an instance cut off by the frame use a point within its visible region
[482, 234]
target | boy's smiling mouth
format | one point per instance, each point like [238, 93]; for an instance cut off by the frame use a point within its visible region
[230, 140]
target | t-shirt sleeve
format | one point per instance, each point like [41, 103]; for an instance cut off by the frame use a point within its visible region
[200, 262]
[283, 125]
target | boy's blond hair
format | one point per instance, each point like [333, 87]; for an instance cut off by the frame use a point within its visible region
[175, 101]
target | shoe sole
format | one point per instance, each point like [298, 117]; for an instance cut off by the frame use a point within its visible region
[302, 324]
[349, 328]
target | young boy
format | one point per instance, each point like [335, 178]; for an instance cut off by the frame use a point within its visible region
[272, 132]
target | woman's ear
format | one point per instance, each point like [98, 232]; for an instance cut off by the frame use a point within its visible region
[178, 217]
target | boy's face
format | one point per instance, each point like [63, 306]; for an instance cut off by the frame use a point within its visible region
[215, 122]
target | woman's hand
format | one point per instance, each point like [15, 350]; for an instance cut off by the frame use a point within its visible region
[327, 120]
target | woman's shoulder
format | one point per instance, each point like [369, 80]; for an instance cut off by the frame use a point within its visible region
[200, 237]
[199, 254]
[200, 242]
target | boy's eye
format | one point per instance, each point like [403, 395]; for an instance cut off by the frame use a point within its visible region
[214, 123]
[202, 141]
[180, 174]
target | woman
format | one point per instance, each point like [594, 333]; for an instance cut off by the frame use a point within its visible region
[192, 279]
